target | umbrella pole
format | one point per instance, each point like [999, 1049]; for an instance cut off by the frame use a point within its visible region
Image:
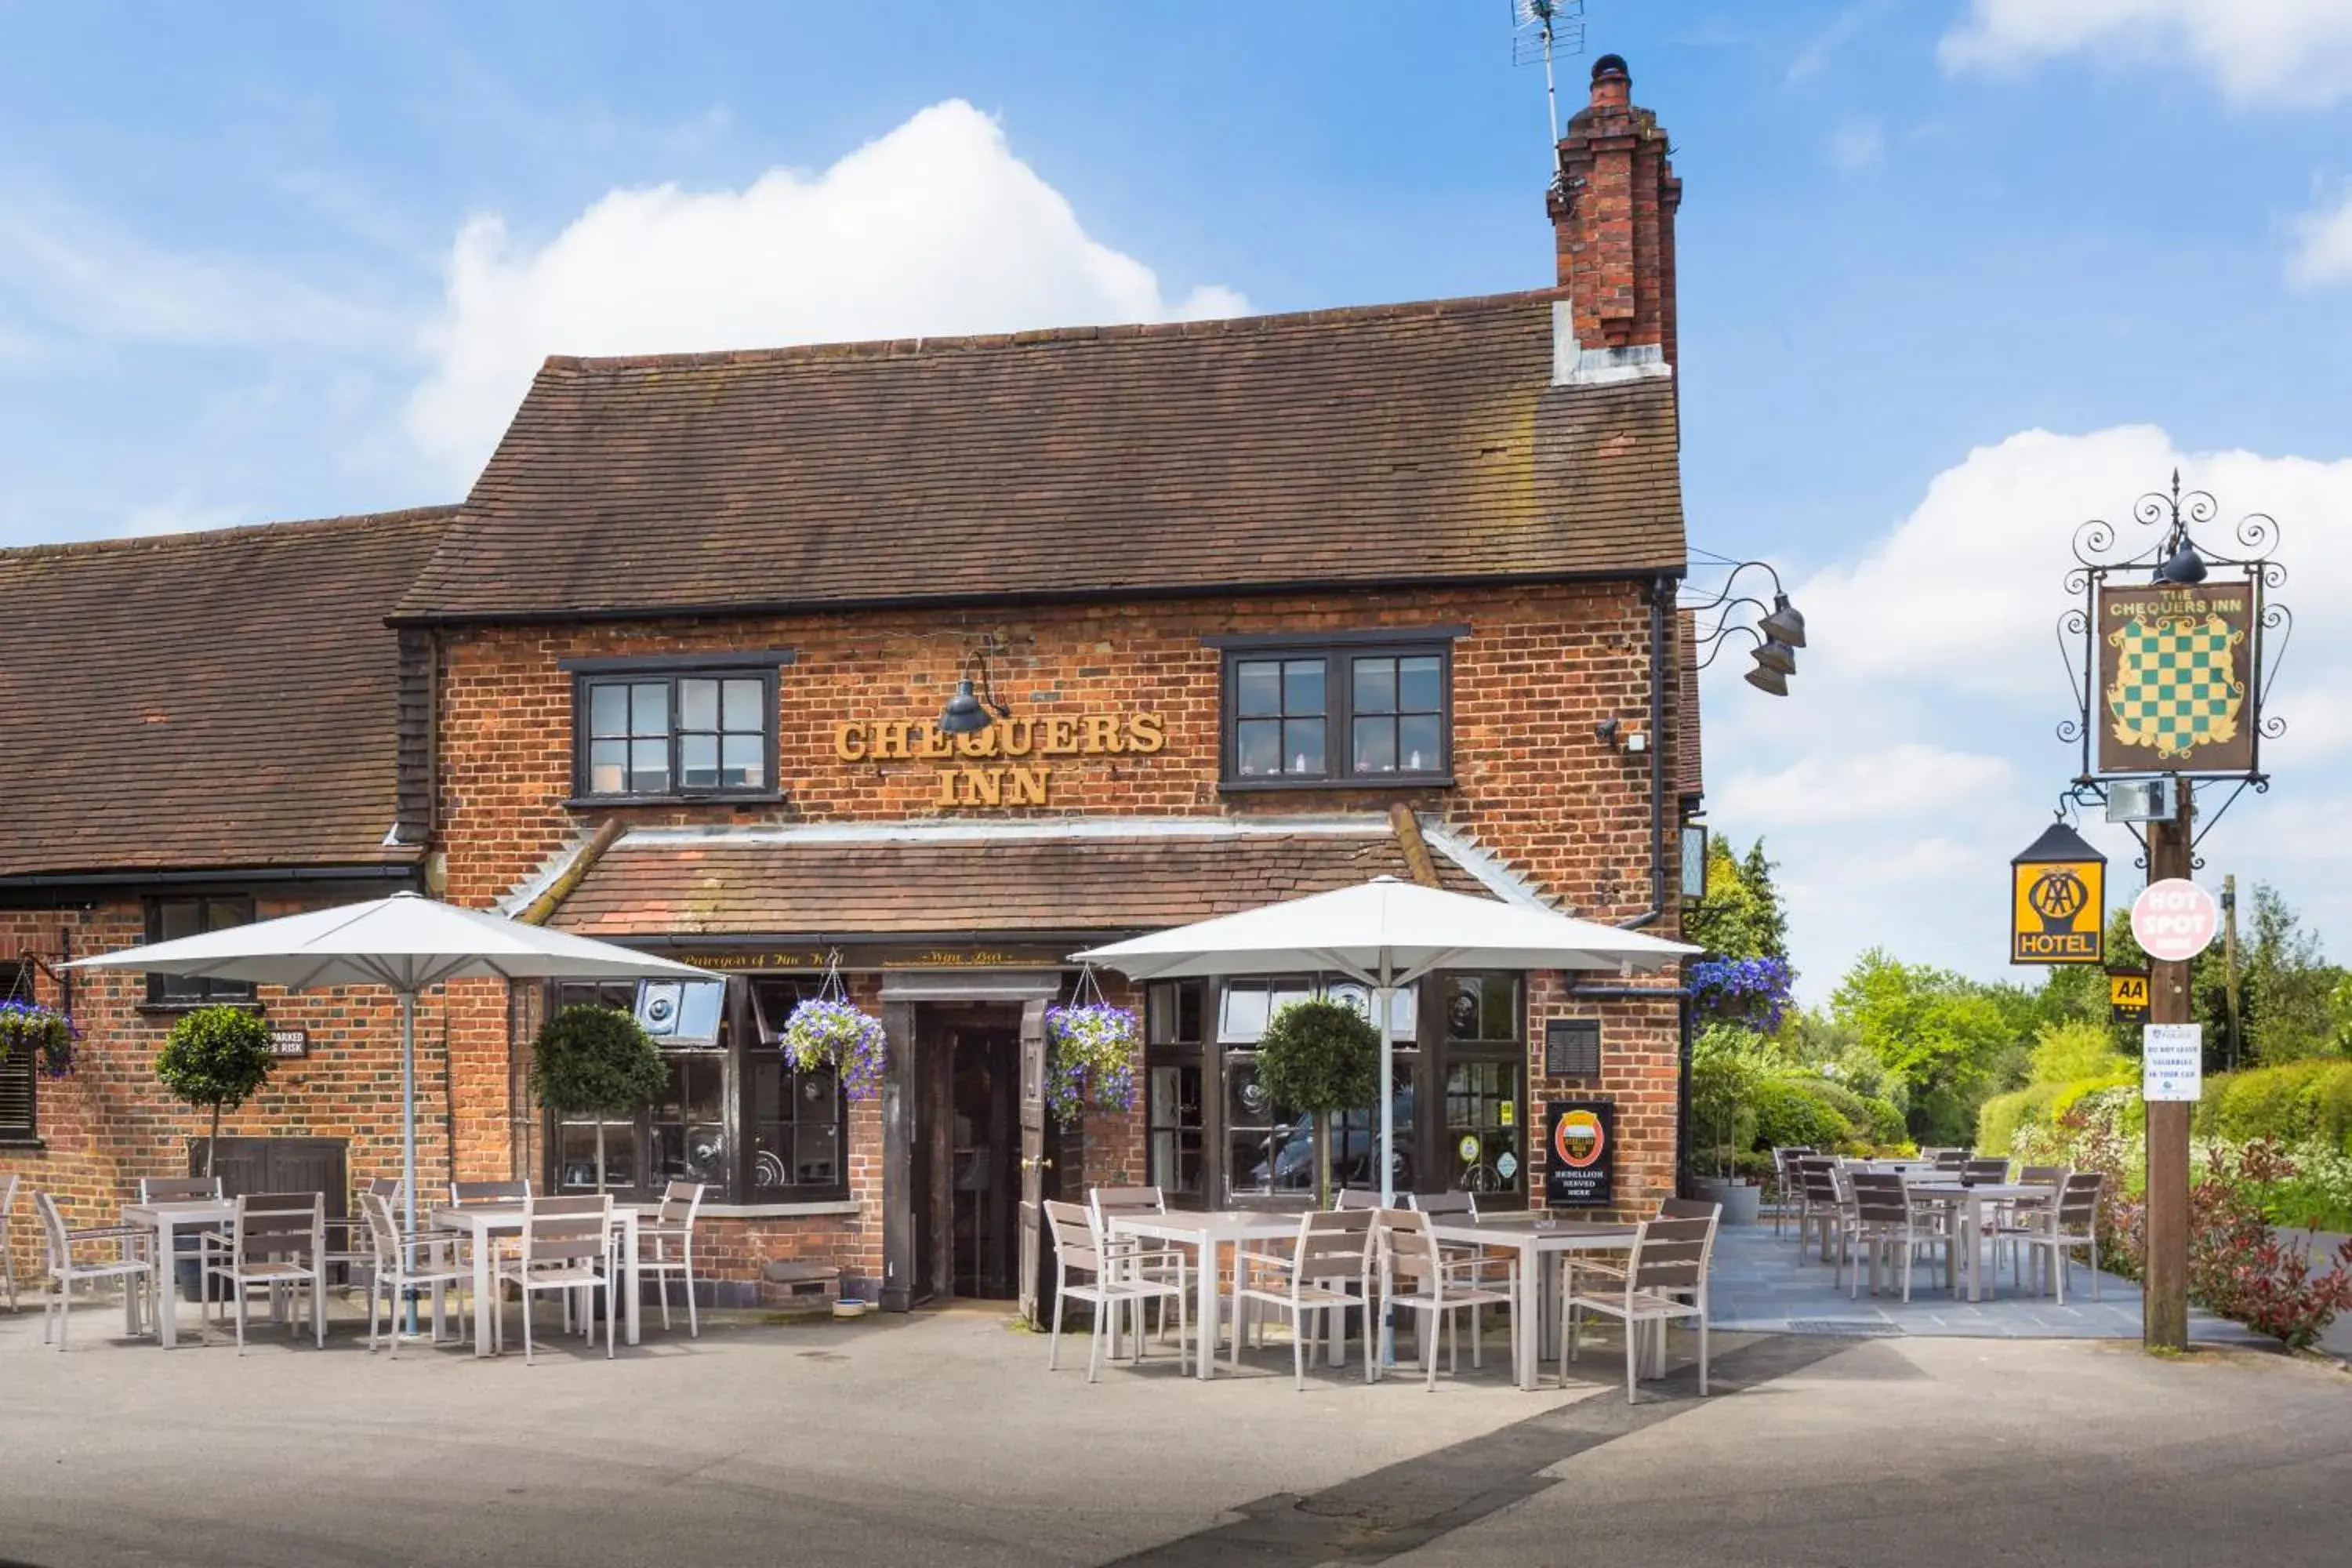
[408, 1132]
[1384, 998]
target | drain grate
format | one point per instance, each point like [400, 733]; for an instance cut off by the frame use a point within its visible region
[1845, 1327]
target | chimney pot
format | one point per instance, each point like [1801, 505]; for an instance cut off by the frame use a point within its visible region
[1612, 83]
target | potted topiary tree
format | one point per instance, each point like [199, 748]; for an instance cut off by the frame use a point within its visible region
[1322, 1058]
[1724, 1074]
[216, 1057]
[595, 1062]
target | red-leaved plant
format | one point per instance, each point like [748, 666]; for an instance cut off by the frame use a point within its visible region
[2237, 1265]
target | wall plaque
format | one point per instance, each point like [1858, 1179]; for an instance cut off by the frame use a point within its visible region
[289, 1042]
[1573, 1047]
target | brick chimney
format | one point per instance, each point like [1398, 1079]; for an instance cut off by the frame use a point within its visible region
[1612, 213]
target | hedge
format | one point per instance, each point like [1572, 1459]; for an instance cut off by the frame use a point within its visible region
[2290, 1103]
[1789, 1115]
[1873, 1121]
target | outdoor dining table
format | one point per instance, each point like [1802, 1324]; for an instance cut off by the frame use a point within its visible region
[166, 1220]
[1972, 1198]
[1205, 1231]
[484, 1223]
[1541, 1242]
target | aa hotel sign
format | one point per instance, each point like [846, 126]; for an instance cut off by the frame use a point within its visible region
[2174, 674]
[1008, 763]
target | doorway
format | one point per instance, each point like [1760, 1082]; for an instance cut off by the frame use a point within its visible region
[967, 1153]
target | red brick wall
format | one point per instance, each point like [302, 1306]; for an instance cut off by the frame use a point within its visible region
[1539, 668]
[1614, 225]
[110, 1121]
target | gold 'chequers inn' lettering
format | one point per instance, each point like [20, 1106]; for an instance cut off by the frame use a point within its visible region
[1020, 783]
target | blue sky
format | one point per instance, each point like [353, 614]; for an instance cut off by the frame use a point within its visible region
[261, 261]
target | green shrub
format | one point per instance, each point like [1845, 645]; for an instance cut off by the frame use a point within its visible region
[2071, 1053]
[2069, 1093]
[2205, 1116]
[2000, 1118]
[2269, 1103]
[1873, 1121]
[2332, 1106]
[1788, 1114]
[214, 1059]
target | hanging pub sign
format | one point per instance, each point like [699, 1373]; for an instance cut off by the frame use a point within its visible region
[2058, 909]
[1580, 1152]
[2176, 686]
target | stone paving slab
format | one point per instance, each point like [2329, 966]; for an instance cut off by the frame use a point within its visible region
[1761, 1284]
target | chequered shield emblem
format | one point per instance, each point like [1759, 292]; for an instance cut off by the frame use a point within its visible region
[2176, 685]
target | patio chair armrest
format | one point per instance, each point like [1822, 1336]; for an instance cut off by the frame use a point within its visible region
[99, 1232]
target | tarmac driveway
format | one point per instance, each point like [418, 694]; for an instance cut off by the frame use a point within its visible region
[940, 1439]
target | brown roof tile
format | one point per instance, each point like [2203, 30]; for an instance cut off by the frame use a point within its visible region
[999, 885]
[1392, 443]
[204, 699]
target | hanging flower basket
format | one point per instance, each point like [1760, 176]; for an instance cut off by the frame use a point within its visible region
[827, 1032]
[1091, 1046]
[26, 1026]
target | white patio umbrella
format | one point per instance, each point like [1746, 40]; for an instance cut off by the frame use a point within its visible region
[406, 941]
[1385, 933]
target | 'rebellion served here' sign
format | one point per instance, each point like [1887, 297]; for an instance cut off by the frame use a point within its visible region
[1580, 1153]
[2176, 679]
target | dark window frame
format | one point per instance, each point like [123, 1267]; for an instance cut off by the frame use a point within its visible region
[1491, 1048]
[738, 1115]
[654, 671]
[180, 992]
[17, 985]
[1338, 654]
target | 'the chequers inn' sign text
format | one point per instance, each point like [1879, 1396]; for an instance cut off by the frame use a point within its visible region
[1002, 764]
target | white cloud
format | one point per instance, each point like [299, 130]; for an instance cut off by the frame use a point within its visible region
[1917, 752]
[935, 228]
[2323, 250]
[2295, 52]
[1857, 145]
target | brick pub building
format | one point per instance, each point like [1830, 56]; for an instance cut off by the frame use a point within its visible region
[1266, 606]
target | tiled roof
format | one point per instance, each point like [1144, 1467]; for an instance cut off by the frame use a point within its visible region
[203, 699]
[1406, 443]
[807, 887]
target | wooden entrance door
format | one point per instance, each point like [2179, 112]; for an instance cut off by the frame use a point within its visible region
[1036, 1299]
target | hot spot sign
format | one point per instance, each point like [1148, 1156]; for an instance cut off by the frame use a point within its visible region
[2058, 900]
[2174, 920]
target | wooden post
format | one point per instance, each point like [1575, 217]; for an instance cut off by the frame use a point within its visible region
[2164, 1324]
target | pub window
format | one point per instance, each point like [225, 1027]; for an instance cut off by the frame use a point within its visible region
[1174, 1073]
[732, 1114]
[168, 919]
[710, 733]
[19, 1075]
[1268, 1148]
[1481, 1146]
[1338, 715]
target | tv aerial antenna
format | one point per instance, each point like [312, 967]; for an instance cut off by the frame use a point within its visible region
[1540, 30]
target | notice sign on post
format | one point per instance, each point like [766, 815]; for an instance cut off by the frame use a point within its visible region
[1580, 1152]
[2172, 1061]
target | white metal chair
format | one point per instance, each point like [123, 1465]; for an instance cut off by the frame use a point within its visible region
[1885, 1216]
[1166, 1262]
[277, 1240]
[1790, 1199]
[567, 1246]
[1669, 1262]
[1090, 1269]
[8, 1184]
[136, 1272]
[673, 1229]
[2073, 1222]
[1333, 1244]
[1415, 1273]
[394, 1267]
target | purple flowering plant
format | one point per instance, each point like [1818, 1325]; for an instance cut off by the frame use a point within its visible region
[30, 1025]
[1089, 1064]
[1753, 991]
[827, 1032]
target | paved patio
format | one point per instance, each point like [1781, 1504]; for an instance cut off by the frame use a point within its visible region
[1768, 1285]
